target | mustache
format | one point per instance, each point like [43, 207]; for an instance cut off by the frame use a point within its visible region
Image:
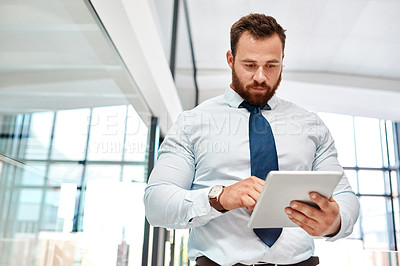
[256, 84]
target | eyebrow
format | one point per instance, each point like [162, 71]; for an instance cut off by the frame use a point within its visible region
[254, 61]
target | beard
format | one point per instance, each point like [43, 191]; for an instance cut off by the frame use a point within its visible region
[257, 98]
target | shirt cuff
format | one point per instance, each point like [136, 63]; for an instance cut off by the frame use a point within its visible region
[349, 207]
[201, 211]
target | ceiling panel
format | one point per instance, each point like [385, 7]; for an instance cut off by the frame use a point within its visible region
[55, 55]
[351, 40]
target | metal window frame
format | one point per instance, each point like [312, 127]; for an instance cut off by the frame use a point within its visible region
[387, 175]
[174, 35]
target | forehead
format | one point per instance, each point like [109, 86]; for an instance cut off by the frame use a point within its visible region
[268, 48]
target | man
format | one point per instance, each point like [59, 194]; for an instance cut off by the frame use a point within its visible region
[203, 178]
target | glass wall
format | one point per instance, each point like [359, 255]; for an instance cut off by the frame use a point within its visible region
[85, 172]
[74, 138]
[367, 150]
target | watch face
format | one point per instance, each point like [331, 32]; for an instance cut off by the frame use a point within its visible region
[215, 190]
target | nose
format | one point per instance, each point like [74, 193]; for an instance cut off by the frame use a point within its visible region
[260, 75]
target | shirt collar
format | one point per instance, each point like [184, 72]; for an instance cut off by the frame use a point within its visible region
[234, 99]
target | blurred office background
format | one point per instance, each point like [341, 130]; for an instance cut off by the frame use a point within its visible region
[89, 88]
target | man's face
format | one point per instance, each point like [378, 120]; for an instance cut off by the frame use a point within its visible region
[256, 68]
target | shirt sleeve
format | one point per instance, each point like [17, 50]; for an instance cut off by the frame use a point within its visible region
[169, 200]
[326, 160]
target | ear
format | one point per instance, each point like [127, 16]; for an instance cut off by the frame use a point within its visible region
[229, 58]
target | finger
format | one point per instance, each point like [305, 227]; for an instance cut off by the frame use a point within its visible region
[258, 180]
[254, 194]
[258, 183]
[306, 228]
[306, 209]
[249, 203]
[258, 188]
[321, 201]
[301, 218]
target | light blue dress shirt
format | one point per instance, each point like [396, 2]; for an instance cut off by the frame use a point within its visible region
[209, 145]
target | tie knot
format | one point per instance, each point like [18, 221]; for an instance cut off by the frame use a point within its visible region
[254, 108]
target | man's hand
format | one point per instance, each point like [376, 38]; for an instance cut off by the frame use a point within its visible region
[243, 194]
[325, 221]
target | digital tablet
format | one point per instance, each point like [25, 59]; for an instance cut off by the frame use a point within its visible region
[282, 187]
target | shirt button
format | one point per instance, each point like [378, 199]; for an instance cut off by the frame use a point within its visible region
[212, 216]
[204, 210]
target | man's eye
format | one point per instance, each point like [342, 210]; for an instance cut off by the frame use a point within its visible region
[249, 65]
[271, 66]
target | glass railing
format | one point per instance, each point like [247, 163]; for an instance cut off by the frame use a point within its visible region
[73, 140]
[351, 252]
[19, 232]
[36, 221]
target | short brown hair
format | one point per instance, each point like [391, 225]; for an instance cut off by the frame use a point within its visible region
[259, 26]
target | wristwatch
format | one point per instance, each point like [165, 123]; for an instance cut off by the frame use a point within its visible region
[213, 198]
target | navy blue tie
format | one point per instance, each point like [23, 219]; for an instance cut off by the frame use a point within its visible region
[263, 159]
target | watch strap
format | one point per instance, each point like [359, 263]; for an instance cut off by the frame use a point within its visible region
[214, 202]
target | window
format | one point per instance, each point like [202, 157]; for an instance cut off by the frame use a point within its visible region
[366, 150]
[82, 176]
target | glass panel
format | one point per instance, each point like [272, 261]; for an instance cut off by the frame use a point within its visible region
[56, 58]
[134, 173]
[384, 144]
[371, 182]
[18, 132]
[107, 129]
[136, 137]
[374, 223]
[65, 173]
[34, 176]
[28, 210]
[6, 132]
[352, 177]
[387, 182]
[11, 127]
[396, 219]
[391, 143]
[341, 128]
[103, 172]
[66, 207]
[350, 252]
[49, 221]
[107, 206]
[395, 188]
[368, 142]
[38, 142]
[70, 134]
[181, 248]
[356, 234]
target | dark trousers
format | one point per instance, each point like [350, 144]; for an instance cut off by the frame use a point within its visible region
[204, 261]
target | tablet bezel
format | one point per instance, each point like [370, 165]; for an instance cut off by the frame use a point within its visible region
[282, 187]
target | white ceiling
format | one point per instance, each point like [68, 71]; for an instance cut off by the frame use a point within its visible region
[54, 55]
[341, 56]
[353, 37]
[336, 52]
